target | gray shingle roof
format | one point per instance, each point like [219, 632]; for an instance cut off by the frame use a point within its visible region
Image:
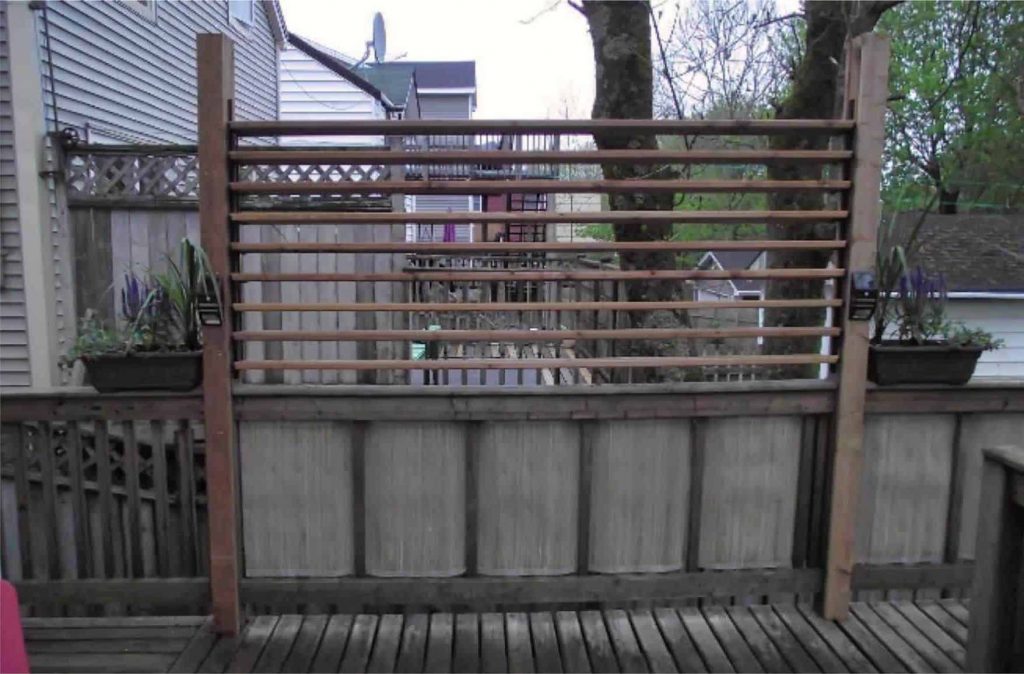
[982, 253]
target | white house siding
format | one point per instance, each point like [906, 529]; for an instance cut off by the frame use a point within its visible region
[1005, 320]
[443, 203]
[14, 363]
[131, 78]
[309, 90]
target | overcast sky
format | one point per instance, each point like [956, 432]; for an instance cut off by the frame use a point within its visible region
[530, 62]
[522, 70]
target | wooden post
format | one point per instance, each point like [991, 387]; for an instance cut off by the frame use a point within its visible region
[995, 640]
[215, 56]
[867, 89]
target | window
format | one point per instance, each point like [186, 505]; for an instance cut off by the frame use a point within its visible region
[146, 8]
[241, 11]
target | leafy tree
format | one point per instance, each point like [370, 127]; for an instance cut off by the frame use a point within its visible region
[957, 116]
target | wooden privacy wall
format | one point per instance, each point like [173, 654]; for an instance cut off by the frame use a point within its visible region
[361, 320]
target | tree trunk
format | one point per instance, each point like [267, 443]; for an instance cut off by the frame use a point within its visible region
[624, 89]
[948, 198]
[815, 94]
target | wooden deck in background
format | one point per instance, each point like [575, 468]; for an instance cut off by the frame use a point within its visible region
[925, 636]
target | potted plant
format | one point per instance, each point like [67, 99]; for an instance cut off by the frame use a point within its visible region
[160, 344]
[914, 342]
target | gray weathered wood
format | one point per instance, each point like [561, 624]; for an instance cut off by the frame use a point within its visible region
[280, 644]
[602, 656]
[467, 643]
[196, 650]
[773, 626]
[678, 641]
[386, 643]
[627, 650]
[412, 652]
[570, 639]
[946, 643]
[300, 659]
[639, 491]
[809, 638]
[440, 644]
[748, 515]
[913, 636]
[545, 642]
[528, 495]
[651, 642]
[837, 641]
[910, 658]
[519, 643]
[704, 639]
[765, 651]
[870, 645]
[734, 644]
[332, 644]
[360, 643]
[943, 619]
[493, 654]
[253, 639]
[415, 503]
[296, 498]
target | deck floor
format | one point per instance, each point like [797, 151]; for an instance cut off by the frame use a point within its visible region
[925, 636]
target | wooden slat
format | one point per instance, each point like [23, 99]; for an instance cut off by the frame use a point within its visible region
[162, 506]
[277, 155]
[957, 609]
[111, 646]
[79, 507]
[533, 306]
[113, 622]
[809, 639]
[570, 638]
[533, 217]
[651, 642]
[910, 658]
[870, 645]
[100, 662]
[545, 642]
[627, 650]
[440, 644]
[463, 187]
[253, 640]
[360, 643]
[155, 591]
[108, 524]
[133, 504]
[97, 633]
[798, 658]
[529, 275]
[47, 470]
[306, 643]
[705, 641]
[944, 620]
[23, 497]
[412, 652]
[735, 646]
[280, 644]
[493, 656]
[220, 655]
[385, 645]
[504, 249]
[528, 335]
[332, 644]
[765, 651]
[758, 127]
[467, 643]
[917, 640]
[678, 641]
[190, 550]
[70, 404]
[199, 646]
[837, 641]
[599, 647]
[952, 648]
[532, 363]
[519, 646]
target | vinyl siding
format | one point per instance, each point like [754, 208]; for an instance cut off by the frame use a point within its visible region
[1005, 320]
[309, 90]
[445, 106]
[14, 363]
[128, 78]
[443, 203]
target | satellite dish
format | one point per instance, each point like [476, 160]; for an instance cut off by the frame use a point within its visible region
[380, 38]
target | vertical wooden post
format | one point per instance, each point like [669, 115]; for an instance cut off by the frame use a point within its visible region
[215, 57]
[867, 91]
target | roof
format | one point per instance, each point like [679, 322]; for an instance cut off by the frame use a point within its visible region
[979, 253]
[272, 8]
[444, 74]
[332, 61]
[396, 80]
[736, 259]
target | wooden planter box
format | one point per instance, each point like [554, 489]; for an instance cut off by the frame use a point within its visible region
[892, 363]
[145, 371]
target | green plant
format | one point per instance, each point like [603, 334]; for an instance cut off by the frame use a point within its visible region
[94, 339]
[188, 282]
[958, 334]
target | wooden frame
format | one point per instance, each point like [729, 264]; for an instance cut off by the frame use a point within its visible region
[215, 58]
[867, 91]
[546, 217]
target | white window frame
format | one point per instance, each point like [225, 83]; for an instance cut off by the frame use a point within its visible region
[239, 21]
[144, 8]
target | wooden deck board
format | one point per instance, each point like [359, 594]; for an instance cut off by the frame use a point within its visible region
[923, 636]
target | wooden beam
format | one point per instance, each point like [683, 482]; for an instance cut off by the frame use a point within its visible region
[486, 275]
[532, 363]
[537, 217]
[731, 127]
[136, 592]
[524, 335]
[867, 82]
[602, 588]
[463, 187]
[483, 307]
[215, 57]
[509, 248]
[260, 156]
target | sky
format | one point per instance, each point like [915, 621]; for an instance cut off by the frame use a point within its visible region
[525, 69]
